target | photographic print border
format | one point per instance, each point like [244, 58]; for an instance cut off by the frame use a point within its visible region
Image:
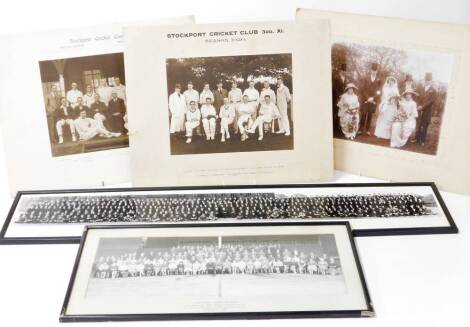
[219, 316]
[451, 229]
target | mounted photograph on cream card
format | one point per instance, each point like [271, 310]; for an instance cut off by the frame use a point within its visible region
[399, 98]
[229, 104]
[64, 107]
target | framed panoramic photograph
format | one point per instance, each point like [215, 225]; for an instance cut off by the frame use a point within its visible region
[372, 209]
[216, 271]
[399, 98]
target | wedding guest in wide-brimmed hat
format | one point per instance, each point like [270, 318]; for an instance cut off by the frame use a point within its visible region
[405, 120]
[348, 112]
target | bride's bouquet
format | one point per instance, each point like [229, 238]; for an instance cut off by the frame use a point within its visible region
[400, 116]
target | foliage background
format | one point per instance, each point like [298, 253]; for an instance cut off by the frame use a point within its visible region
[229, 68]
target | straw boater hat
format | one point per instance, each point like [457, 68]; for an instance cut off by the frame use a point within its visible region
[349, 86]
[409, 91]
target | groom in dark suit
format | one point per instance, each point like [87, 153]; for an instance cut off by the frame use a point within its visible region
[428, 97]
[370, 92]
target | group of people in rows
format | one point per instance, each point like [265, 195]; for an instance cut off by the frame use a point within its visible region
[97, 112]
[401, 110]
[206, 207]
[231, 258]
[227, 112]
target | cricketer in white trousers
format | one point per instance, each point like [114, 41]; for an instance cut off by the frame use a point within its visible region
[244, 116]
[61, 123]
[283, 98]
[209, 116]
[235, 96]
[193, 120]
[88, 128]
[227, 117]
[177, 105]
[267, 113]
[253, 97]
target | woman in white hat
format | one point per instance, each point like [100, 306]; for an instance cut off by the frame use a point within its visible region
[348, 112]
[387, 109]
[405, 121]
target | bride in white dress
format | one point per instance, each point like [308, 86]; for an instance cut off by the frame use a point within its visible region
[405, 122]
[387, 109]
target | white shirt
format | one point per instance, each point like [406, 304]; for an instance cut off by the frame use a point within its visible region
[235, 95]
[204, 95]
[193, 116]
[105, 93]
[191, 95]
[73, 95]
[121, 91]
[269, 110]
[227, 111]
[265, 92]
[88, 99]
[253, 94]
[207, 110]
[245, 108]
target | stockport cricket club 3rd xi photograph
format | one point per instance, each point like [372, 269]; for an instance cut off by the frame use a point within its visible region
[230, 103]
[85, 103]
[390, 97]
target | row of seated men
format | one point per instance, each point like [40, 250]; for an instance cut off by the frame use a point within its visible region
[98, 119]
[221, 110]
[212, 259]
[212, 207]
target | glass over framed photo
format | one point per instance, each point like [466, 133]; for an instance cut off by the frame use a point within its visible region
[216, 271]
[372, 209]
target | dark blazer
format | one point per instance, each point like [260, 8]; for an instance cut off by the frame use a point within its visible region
[83, 107]
[117, 106]
[427, 100]
[370, 89]
[72, 113]
[52, 102]
[338, 88]
[98, 107]
[219, 97]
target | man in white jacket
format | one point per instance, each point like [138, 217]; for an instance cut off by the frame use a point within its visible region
[283, 98]
[177, 105]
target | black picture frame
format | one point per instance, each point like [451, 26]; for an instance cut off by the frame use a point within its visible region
[369, 312]
[451, 229]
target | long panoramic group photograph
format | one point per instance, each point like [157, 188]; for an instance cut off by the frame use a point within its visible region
[230, 104]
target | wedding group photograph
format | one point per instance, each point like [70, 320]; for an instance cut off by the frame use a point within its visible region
[230, 103]
[85, 103]
[389, 97]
